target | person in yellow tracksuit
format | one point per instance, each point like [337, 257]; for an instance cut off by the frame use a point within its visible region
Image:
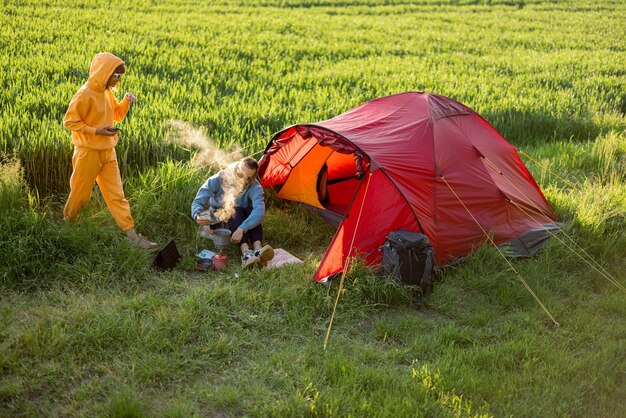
[90, 117]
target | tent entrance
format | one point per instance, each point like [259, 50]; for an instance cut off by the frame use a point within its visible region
[324, 179]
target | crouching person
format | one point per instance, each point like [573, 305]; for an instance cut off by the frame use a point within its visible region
[234, 196]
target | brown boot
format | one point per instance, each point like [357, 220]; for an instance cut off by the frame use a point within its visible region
[265, 254]
[143, 242]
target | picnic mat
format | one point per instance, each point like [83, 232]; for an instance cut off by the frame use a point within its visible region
[281, 258]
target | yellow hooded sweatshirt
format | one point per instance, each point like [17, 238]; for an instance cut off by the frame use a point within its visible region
[95, 106]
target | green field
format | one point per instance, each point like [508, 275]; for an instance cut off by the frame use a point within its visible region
[88, 328]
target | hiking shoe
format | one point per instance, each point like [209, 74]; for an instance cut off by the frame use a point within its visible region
[143, 242]
[249, 259]
[265, 254]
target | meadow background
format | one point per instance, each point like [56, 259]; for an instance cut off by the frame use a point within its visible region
[88, 328]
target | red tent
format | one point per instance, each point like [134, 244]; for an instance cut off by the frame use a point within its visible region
[417, 161]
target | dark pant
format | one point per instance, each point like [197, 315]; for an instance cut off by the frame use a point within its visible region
[255, 234]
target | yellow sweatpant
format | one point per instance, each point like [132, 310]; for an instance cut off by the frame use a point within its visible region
[101, 166]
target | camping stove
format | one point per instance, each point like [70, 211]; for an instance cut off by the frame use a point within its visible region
[220, 261]
[221, 239]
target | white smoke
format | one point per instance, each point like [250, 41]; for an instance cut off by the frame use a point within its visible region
[233, 186]
[208, 155]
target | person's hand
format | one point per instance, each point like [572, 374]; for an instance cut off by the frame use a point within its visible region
[237, 235]
[202, 222]
[106, 131]
[130, 97]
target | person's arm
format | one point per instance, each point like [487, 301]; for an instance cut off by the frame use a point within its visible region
[258, 207]
[74, 119]
[120, 109]
[205, 192]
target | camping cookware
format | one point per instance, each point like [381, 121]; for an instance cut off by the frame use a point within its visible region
[208, 216]
[221, 238]
[204, 264]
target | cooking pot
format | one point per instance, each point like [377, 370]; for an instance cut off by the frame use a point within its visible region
[204, 264]
[221, 237]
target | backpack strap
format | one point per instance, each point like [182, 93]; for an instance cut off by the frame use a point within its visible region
[427, 268]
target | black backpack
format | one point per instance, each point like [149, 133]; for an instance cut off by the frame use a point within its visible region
[409, 257]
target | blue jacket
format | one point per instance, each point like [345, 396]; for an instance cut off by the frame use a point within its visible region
[211, 194]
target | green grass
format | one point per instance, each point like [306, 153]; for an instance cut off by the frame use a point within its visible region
[88, 328]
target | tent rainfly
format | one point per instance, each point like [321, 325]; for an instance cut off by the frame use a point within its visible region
[414, 160]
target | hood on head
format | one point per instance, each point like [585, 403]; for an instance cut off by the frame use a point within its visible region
[102, 67]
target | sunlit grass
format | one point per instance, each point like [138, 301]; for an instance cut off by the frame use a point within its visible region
[88, 328]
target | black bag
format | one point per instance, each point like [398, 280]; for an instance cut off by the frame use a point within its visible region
[409, 257]
[167, 258]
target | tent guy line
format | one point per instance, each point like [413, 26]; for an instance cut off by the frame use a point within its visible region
[519, 276]
[345, 269]
[547, 167]
[603, 272]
